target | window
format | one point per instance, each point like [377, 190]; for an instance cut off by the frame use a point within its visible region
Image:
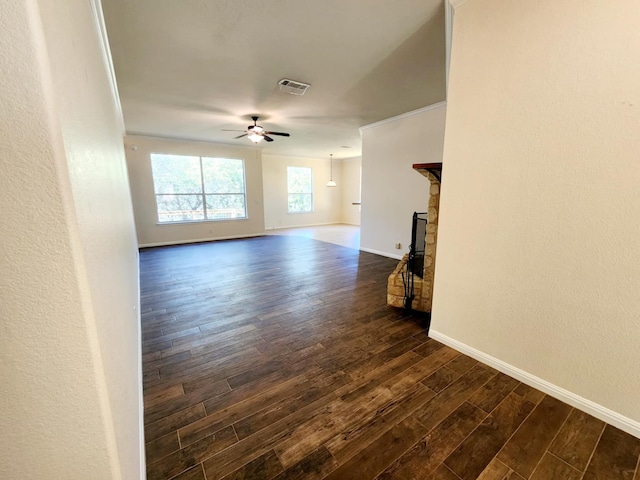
[197, 189]
[300, 188]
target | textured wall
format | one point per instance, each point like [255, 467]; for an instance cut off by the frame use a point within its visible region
[326, 200]
[144, 202]
[391, 189]
[539, 241]
[70, 360]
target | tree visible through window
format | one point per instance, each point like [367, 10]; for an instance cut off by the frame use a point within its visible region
[300, 189]
[196, 189]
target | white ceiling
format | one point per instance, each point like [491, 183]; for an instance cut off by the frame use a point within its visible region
[190, 68]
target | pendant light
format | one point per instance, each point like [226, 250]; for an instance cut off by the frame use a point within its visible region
[331, 183]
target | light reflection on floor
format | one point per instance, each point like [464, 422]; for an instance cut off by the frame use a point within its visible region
[338, 234]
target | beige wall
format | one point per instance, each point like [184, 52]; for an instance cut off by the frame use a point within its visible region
[391, 189]
[326, 200]
[138, 150]
[70, 404]
[538, 260]
[350, 186]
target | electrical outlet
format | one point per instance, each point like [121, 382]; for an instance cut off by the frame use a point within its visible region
[398, 246]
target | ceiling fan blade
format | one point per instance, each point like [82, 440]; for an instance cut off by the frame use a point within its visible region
[268, 139]
[282, 134]
[240, 136]
[229, 130]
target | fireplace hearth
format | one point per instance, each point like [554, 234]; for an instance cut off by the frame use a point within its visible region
[410, 286]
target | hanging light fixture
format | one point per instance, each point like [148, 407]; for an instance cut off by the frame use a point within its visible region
[256, 135]
[331, 183]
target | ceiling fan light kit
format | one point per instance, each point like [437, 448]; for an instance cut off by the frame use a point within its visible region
[254, 137]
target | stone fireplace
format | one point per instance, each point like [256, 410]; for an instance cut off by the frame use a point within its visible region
[398, 283]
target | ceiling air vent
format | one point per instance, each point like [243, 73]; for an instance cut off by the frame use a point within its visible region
[292, 87]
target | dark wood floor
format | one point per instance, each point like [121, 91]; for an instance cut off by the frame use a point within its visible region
[277, 358]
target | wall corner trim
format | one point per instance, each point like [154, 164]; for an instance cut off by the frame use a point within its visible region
[617, 420]
[457, 3]
[404, 115]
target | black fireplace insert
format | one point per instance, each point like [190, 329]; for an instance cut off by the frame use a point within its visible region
[415, 262]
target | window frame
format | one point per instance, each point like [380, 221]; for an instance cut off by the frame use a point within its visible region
[203, 194]
[311, 193]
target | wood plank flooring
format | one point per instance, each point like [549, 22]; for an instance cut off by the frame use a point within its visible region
[277, 358]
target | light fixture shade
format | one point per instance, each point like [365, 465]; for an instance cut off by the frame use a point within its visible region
[331, 183]
[254, 137]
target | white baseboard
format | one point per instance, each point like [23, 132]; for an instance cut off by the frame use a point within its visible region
[384, 254]
[287, 227]
[198, 240]
[620, 421]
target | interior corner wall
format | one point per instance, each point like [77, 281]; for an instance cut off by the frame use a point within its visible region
[391, 189]
[71, 402]
[138, 150]
[538, 261]
[326, 200]
[350, 169]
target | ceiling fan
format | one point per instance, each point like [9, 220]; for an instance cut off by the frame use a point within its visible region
[256, 133]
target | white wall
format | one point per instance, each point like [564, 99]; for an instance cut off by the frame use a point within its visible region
[350, 187]
[539, 241]
[144, 202]
[70, 404]
[391, 189]
[326, 200]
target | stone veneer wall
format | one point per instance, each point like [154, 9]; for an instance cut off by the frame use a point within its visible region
[423, 287]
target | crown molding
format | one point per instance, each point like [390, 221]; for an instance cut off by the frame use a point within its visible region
[404, 115]
[101, 30]
[300, 157]
[132, 135]
[448, 35]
